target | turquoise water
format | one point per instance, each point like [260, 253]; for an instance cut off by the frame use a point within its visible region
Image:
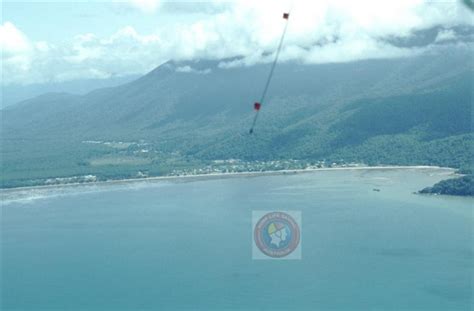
[187, 245]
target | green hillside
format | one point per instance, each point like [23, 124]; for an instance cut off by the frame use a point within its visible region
[396, 111]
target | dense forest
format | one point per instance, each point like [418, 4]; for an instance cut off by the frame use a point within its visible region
[463, 186]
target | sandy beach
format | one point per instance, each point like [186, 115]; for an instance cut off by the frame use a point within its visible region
[449, 171]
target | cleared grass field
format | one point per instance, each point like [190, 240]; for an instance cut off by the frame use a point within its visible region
[119, 160]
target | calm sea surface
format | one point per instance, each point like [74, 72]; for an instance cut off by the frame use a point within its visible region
[188, 245]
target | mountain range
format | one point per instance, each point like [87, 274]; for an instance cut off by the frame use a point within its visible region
[14, 93]
[412, 110]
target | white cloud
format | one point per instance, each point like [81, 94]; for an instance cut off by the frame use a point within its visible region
[16, 51]
[319, 31]
[146, 6]
[189, 69]
[445, 35]
[42, 46]
[12, 40]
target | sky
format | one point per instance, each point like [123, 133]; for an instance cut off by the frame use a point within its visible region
[59, 40]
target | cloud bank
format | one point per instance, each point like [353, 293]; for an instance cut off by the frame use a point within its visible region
[319, 32]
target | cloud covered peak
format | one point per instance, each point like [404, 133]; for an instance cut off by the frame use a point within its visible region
[319, 32]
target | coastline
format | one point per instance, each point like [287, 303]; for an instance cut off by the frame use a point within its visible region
[209, 176]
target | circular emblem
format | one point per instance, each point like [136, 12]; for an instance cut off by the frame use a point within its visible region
[277, 234]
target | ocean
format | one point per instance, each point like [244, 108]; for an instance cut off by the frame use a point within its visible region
[187, 244]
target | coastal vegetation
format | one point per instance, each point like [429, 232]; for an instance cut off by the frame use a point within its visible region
[462, 186]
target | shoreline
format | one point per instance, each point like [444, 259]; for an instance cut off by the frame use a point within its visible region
[211, 176]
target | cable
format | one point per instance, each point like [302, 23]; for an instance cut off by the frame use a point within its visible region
[258, 105]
